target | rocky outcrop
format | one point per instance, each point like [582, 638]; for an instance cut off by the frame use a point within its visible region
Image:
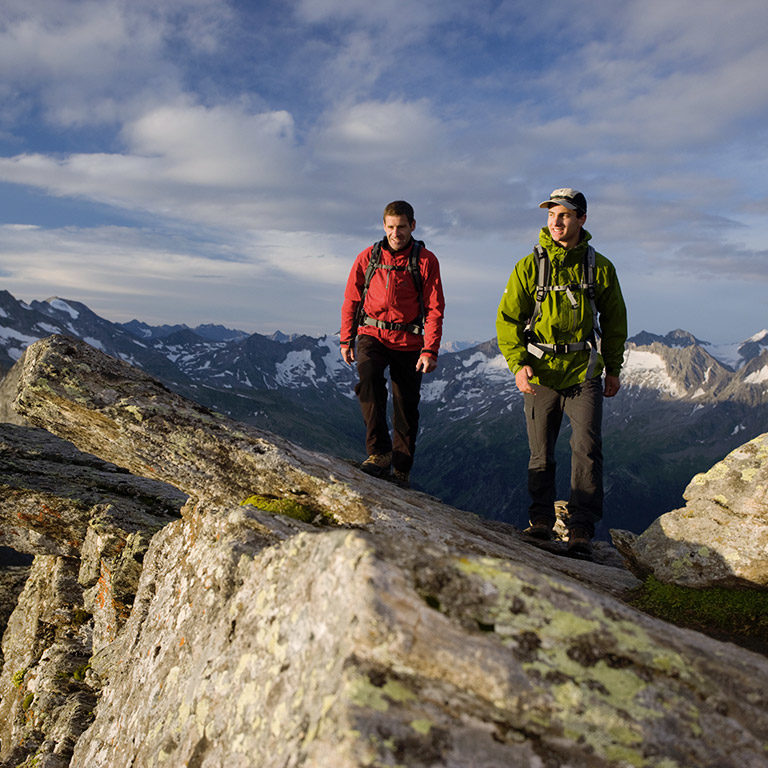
[720, 537]
[373, 627]
[89, 524]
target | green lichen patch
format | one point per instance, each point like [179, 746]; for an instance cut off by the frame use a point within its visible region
[18, 677]
[289, 508]
[739, 615]
[602, 680]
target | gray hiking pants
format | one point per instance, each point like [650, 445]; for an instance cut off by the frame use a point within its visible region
[583, 405]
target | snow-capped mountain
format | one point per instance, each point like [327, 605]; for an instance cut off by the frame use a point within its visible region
[683, 405]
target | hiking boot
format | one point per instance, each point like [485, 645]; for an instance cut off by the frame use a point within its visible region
[580, 543]
[539, 529]
[377, 464]
[401, 477]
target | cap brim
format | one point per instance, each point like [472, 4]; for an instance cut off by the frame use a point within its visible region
[559, 201]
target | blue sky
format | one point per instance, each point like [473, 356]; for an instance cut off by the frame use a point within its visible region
[211, 161]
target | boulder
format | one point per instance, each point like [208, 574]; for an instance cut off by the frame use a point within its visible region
[720, 537]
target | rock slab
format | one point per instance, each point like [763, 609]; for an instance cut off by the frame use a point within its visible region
[720, 537]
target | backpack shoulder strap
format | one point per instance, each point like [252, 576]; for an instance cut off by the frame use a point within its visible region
[589, 282]
[373, 264]
[414, 269]
[543, 270]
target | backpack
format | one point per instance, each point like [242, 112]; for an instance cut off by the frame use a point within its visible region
[415, 326]
[543, 276]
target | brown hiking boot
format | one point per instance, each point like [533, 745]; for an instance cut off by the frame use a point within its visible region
[580, 543]
[377, 464]
[539, 529]
[401, 477]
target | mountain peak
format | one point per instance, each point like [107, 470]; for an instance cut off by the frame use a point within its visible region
[676, 338]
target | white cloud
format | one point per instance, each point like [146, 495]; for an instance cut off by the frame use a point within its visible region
[97, 61]
[216, 147]
[272, 134]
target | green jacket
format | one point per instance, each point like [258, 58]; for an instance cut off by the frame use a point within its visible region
[558, 322]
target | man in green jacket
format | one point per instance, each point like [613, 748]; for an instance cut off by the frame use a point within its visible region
[558, 337]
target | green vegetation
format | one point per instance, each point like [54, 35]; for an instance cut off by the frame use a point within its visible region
[288, 508]
[739, 615]
[18, 677]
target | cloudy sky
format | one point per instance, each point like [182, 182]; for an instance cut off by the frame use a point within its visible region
[223, 161]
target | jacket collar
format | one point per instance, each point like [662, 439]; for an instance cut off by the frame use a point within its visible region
[402, 252]
[557, 252]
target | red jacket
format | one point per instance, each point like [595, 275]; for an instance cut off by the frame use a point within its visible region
[392, 297]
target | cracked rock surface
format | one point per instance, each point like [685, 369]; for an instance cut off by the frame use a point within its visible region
[390, 631]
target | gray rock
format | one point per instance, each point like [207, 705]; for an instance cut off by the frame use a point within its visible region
[720, 537]
[388, 630]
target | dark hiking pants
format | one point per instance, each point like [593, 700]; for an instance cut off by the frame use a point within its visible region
[583, 405]
[373, 358]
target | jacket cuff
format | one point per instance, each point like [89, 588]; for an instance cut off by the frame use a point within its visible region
[430, 352]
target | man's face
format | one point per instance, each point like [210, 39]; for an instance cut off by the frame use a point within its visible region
[398, 231]
[564, 225]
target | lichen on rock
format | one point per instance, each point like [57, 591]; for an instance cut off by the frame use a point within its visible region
[404, 633]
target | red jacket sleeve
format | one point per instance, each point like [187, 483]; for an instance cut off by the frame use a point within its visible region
[434, 302]
[352, 295]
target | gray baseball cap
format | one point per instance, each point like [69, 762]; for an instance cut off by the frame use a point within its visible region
[568, 197]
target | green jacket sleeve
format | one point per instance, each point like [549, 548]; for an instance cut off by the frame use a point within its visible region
[515, 309]
[612, 313]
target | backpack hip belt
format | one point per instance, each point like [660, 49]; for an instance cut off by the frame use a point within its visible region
[539, 349]
[414, 327]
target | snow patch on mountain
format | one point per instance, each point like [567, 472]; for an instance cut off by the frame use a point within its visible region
[758, 377]
[298, 369]
[332, 358]
[489, 367]
[95, 343]
[9, 334]
[62, 306]
[432, 391]
[45, 328]
[649, 371]
[728, 354]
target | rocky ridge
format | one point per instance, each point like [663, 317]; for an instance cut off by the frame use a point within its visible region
[165, 622]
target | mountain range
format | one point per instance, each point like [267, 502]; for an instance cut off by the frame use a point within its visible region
[684, 404]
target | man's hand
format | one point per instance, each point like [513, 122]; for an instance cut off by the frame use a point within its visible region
[612, 385]
[426, 364]
[523, 380]
[348, 354]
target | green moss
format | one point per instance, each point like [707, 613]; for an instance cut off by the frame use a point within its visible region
[287, 507]
[26, 702]
[18, 677]
[79, 674]
[422, 726]
[737, 614]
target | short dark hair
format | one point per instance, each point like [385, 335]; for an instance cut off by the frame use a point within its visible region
[399, 208]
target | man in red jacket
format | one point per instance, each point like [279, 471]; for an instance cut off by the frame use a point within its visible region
[397, 322]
